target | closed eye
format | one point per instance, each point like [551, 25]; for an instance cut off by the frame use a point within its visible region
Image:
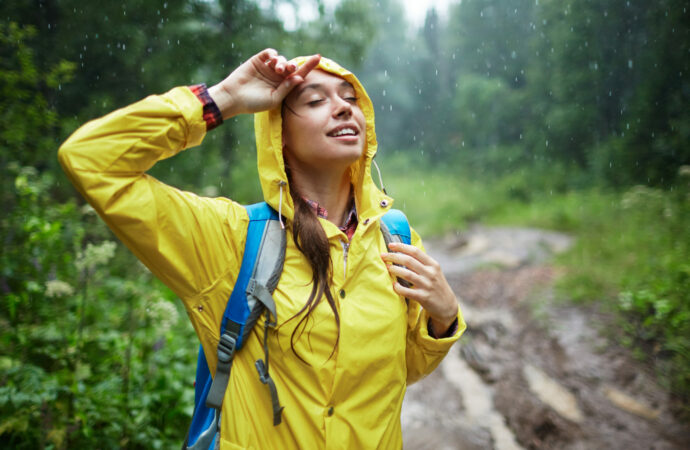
[315, 102]
[351, 99]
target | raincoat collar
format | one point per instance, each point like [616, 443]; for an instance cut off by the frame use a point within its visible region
[370, 202]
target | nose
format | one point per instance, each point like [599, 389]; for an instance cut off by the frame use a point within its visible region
[342, 108]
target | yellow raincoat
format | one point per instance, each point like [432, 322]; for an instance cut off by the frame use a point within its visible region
[346, 398]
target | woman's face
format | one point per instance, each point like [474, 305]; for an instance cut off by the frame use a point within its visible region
[323, 128]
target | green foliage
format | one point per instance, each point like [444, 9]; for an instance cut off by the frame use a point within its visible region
[93, 349]
[89, 356]
[633, 257]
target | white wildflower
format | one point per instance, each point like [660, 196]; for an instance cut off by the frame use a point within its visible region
[162, 313]
[95, 255]
[58, 288]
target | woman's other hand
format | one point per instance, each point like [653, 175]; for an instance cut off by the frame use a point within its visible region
[260, 83]
[428, 284]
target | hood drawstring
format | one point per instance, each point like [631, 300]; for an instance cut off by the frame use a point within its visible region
[281, 183]
[380, 177]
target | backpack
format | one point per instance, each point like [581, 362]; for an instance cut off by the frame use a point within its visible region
[262, 265]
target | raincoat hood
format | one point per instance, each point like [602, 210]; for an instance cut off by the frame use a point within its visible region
[268, 126]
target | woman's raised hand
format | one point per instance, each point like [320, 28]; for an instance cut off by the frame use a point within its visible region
[260, 83]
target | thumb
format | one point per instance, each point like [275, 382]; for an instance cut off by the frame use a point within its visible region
[287, 85]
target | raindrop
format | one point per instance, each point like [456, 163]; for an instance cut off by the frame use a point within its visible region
[384, 92]
[630, 64]
[123, 46]
[385, 73]
[627, 126]
[513, 54]
[547, 142]
[520, 135]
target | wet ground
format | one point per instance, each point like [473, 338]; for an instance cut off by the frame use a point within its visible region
[531, 372]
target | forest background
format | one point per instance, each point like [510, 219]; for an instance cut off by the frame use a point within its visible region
[559, 114]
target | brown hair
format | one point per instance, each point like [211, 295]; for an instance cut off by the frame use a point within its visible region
[310, 239]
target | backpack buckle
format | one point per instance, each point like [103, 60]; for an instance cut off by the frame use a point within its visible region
[226, 348]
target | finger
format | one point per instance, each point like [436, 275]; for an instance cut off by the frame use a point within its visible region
[308, 65]
[410, 262]
[280, 64]
[417, 295]
[409, 276]
[286, 86]
[413, 251]
[266, 54]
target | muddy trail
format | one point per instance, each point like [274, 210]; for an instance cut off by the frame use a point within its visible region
[531, 373]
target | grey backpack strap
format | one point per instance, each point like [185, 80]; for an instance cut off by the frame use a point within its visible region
[387, 236]
[268, 267]
[267, 271]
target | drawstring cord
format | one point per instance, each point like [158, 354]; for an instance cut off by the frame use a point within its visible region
[380, 177]
[281, 183]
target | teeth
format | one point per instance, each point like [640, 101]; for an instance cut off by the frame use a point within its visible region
[344, 131]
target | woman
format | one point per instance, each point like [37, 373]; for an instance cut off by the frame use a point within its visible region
[347, 343]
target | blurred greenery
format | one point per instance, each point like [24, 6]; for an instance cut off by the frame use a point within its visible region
[563, 115]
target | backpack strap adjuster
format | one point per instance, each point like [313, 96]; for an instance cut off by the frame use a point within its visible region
[226, 347]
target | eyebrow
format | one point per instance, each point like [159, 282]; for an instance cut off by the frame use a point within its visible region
[317, 86]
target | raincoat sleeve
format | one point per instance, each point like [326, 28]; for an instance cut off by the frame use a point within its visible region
[424, 352]
[169, 230]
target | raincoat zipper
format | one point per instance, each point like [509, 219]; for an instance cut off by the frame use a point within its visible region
[346, 247]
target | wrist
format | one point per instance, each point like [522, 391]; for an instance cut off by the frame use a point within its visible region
[441, 324]
[224, 100]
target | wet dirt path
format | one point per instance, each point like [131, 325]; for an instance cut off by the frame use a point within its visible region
[531, 372]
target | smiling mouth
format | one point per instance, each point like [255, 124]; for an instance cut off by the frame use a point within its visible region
[344, 131]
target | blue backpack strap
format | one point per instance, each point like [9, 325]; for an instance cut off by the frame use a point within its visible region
[239, 312]
[397, 226]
